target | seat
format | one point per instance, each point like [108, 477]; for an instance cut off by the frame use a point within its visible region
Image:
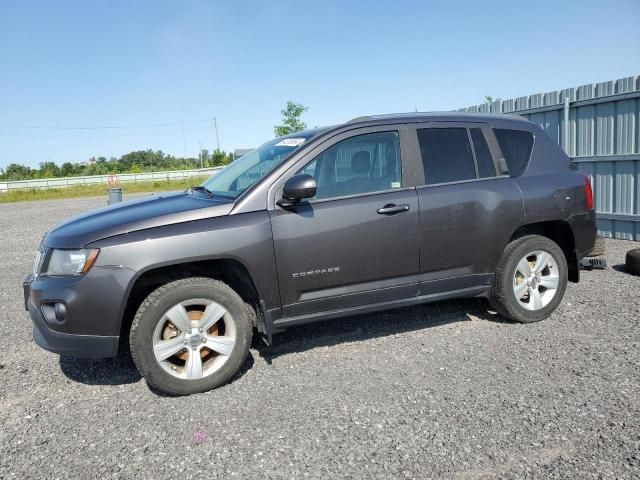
[360, 182]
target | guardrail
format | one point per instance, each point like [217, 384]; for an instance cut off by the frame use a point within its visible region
[61, 182]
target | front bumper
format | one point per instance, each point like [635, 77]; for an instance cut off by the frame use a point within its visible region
[94, 306]
[88, 346]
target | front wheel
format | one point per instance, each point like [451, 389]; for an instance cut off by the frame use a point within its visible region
[530, 279]
[190, 336]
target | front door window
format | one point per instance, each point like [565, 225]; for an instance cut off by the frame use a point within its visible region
[362, 164]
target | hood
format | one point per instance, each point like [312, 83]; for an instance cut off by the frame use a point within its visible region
[130, 216]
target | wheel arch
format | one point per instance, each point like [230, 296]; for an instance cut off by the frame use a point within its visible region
[561, 233]
[228, 270]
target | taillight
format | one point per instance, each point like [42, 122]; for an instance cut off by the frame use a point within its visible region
[588, 192]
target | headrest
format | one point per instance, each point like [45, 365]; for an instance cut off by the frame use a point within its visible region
[361, 162]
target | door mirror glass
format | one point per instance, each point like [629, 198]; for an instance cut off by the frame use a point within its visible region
[299, 187]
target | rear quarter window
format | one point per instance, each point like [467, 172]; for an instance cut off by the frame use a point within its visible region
[516, 148]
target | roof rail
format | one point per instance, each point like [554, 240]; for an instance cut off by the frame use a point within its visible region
[360, 119]
[426, 115]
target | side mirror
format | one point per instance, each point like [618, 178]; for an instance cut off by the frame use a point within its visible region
[296, 188]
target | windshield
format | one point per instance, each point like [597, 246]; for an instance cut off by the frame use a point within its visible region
[235, 178]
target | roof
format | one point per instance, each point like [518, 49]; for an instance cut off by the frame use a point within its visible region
[308, 133]
[410, 117]
[239, 152]
[442, 116]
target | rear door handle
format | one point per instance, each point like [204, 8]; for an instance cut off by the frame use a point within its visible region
[392, 209]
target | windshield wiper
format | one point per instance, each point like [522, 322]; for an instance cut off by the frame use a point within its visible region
[200, 188]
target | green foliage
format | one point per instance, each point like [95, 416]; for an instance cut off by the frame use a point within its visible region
[134, 162]
[220, 158]
[291, 121]
[17, 172]
[490, 99]
[68, 169]
[49, 170]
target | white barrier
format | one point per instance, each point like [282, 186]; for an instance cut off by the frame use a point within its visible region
[44, 183]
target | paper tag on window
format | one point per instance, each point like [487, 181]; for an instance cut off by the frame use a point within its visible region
[395, 184]
[290, 142]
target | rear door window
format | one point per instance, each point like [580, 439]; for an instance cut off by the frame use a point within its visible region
[516, 148]
[446, 155]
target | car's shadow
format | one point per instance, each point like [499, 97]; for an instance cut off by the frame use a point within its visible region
[363, 327]
[108, 371]
[115, 371]
[121, 370]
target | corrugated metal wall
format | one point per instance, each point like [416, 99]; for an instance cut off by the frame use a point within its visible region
[603, 137]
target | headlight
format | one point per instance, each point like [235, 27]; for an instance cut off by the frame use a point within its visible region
[37, 262]
[71, 262]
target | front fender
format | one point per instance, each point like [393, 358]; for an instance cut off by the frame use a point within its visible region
[245, 238]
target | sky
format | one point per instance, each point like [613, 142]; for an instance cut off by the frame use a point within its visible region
[156, 72]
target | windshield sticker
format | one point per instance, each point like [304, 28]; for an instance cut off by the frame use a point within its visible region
[290, 142]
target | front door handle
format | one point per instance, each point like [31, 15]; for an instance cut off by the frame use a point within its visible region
[392, 209]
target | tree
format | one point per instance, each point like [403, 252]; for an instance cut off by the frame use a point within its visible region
[490, 99]
[67, 169]
[219, 158]
[133, 162]
[18, 172]
[291, 121]
[49, 170]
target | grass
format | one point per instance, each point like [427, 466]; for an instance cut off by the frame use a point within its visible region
[78, 191]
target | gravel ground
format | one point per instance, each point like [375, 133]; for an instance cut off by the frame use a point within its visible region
[439, 391]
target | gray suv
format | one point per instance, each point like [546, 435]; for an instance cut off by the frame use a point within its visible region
[377, 213]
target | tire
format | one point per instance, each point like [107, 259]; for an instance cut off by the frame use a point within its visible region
[187, 302]
[536, 302]
[632, 261]
[598, 249]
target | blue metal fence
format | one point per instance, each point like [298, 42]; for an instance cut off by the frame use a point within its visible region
[598, 125]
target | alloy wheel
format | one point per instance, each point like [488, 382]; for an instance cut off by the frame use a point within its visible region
[194, 339]
[536, 280]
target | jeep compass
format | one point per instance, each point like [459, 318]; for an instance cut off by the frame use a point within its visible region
[376, 213]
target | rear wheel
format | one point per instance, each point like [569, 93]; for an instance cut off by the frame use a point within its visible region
[190, 335]
[530, 280]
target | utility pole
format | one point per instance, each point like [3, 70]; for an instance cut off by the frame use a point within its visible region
[215, 125]
[566, 131]
[184, 139]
